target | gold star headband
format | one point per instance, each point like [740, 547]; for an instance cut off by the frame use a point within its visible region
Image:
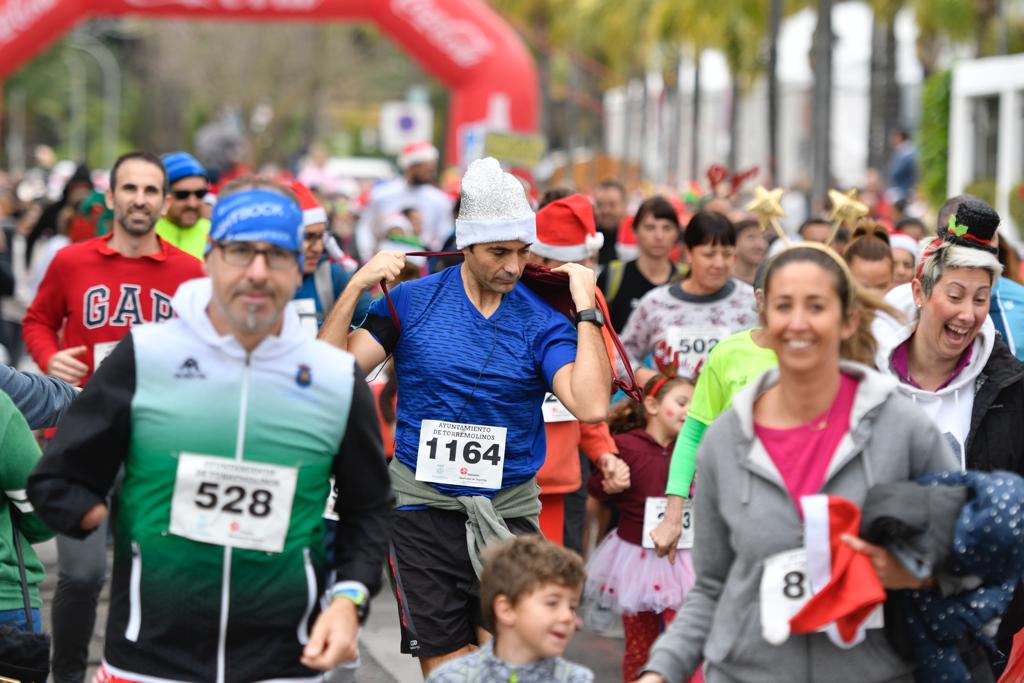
[768, 208]
[846, 210]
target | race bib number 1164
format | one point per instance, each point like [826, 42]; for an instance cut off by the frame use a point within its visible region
[461, 454]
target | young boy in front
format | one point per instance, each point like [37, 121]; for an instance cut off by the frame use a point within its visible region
[529, 592]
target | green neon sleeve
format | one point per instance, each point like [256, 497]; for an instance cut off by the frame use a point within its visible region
[684, 458]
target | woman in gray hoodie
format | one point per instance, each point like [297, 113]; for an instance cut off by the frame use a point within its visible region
[817, 424]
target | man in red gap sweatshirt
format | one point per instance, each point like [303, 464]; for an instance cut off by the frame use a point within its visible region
[92, 293]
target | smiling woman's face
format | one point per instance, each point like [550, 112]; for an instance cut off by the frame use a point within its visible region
[954, 312]
[803, 317]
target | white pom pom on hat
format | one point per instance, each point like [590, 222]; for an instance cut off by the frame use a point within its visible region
[494, 207]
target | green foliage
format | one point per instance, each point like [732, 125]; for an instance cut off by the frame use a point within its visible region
[933, 146]
[1017, 205]
[983, 188]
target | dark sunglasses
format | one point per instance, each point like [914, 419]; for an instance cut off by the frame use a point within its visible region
[182, 195]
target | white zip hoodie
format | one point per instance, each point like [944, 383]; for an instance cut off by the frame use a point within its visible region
[950, 407]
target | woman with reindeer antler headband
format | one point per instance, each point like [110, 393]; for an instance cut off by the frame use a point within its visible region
[624, 572]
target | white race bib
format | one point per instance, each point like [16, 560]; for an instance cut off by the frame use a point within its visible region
[461, 454]
[232, 503]
[555, 411]
[306, 308]
[785, 589]
[100, 352]
[654, 513]
[694, 342]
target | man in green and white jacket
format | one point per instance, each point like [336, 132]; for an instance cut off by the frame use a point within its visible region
[228, 422]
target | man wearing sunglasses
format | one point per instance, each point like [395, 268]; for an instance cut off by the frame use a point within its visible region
[183, 224]
[228, 422]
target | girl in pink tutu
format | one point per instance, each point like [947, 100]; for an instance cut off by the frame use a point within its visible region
[622, 574]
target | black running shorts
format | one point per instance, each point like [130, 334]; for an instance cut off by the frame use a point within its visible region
[437, 591]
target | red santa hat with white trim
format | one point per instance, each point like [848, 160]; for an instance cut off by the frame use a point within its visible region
[417, 153]
[846, 590]
[566, 230]
[312, 212]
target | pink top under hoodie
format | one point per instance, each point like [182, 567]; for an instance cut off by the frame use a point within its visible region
[802, 454]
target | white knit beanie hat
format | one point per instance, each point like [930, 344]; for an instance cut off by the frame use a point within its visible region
[494, 207]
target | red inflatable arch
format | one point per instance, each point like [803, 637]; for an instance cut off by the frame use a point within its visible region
[462, 42]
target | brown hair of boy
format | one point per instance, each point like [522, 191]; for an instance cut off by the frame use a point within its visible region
[518, 566]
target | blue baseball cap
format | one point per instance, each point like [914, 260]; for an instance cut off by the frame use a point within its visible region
[257, 216]
[181, 165]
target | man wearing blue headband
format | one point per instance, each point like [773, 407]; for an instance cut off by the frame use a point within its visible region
[220, 571]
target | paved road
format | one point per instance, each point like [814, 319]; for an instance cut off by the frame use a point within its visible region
[381, 661]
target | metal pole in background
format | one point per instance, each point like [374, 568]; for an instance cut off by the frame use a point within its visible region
[17, 105]
[774, 21]
[76, 106]
[112, 91]
[821, 138]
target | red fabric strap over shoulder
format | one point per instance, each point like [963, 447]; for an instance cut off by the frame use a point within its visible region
[554, 289]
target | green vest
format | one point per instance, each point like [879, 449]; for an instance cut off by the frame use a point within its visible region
[190, 240]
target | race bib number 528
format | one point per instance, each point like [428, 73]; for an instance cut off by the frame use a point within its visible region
[232, 503]
[461, 454]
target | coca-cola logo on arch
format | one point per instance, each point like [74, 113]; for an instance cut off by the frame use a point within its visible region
[17, 17]
[461, 40]
[233, 5]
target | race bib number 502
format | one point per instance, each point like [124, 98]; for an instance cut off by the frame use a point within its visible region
[232, 503]
[461, 454]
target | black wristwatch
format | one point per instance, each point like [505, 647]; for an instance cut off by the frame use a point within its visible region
[590, 315]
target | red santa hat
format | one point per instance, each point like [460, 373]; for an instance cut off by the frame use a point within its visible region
[845, 587]
[417, 153]
[566, 230]
[625, 246]
[312, 212]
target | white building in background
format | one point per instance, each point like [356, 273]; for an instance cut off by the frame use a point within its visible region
[851, 23]
[986, 130]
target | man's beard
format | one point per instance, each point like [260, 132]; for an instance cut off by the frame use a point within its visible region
[136, 231]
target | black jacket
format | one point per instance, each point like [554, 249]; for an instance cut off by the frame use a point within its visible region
[996, 442]
[996, 439]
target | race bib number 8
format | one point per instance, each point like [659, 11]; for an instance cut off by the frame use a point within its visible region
[785, 589]
[461, 454]
[232, 503]
[654, 513]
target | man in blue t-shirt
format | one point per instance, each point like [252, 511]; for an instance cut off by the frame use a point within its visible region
[475, 351]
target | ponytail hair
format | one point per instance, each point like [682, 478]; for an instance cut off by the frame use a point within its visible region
[627, 415]
[861, 347]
